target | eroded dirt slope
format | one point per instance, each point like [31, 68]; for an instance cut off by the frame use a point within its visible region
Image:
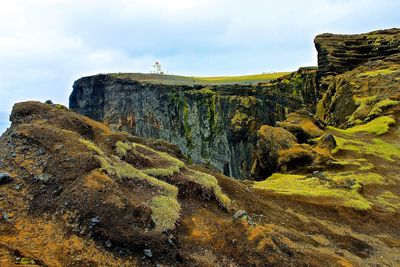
[81, 195]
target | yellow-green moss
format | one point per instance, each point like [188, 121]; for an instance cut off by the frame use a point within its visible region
[122, 169]
[380, 106]
[376, 72]
[389, 201]
[210, 183]
[122, 148]
[377, 126]
[165, 212]
[363, 178]
[91, 146]
[377, 147]
[165, 207]
[239, 117]
[364, 107]
[247, 101]
[173, 165]
[288, 184]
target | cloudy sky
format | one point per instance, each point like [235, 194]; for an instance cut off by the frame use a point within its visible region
[47, 44]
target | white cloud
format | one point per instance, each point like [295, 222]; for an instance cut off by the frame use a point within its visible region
[46, 44]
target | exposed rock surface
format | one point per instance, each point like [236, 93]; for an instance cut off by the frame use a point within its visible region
[338, 53]
[213, 125]
[302, 124]
[361, 94]
[278, 150]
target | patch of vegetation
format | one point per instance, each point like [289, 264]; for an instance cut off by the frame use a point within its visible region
[122, 148]
[362, 178]
[186, 127]
[248, 101]
[189, 80]
[376, 72]
[165, 207]
[289, 184]
[377, 147]
[364, 107]
[389, 201]
[380, 106]
[239, 117]
[165, 212]
[244, 78]
[26, 261]
[377, 126]
[173, 165]
[91, 146]
[209, 183]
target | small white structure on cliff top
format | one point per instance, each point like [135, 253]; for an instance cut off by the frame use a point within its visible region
[157, 68]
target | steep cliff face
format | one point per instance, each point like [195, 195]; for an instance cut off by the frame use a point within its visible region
[338, 53]
[368, 76]
[213, 125]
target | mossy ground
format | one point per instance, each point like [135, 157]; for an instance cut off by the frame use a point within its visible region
[377, 126]
[313, 187]
[362, 153]
[165, 207]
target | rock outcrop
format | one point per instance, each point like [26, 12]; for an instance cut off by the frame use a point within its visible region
[284, 148]
[338, 53]
[73, 192]
[361, 94]
[213, 125]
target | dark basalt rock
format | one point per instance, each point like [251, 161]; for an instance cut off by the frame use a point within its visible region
[215, 125]
[338, 53]
[5, 178]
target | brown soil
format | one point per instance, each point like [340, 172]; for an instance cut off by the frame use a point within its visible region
[79, 215]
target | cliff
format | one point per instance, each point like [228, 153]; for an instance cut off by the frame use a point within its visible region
[211, 124]
[76, 193]
[338, 53]
[359, 75]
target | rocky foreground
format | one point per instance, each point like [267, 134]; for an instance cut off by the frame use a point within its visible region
[319, 149]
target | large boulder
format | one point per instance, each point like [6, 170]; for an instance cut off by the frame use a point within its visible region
[279, 150]
[272, 140]
[302, 125]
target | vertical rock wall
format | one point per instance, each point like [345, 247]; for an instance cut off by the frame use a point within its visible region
[215, 125]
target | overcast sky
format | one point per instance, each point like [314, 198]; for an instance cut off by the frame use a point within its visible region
[47, 44]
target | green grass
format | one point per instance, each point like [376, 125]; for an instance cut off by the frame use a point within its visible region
[244, 78]
[289, 184]
[190, 80]
[377, 126]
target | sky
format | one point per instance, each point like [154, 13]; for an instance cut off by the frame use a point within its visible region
[47, 44]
